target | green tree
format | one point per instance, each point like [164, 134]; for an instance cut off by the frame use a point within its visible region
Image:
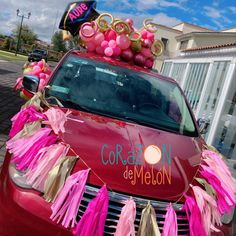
[27, 34]
[58, 44]
[6, 43]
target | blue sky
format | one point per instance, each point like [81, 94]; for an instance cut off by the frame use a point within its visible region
[216, 15]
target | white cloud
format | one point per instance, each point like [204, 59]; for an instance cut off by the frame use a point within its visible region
[212, 12]
[233, 9]
[217, 16]
[150, 4]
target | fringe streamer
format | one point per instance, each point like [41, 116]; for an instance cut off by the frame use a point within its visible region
[56, 119]
[38, 175]
[208, 209]
[148, 224]
[24, 116]
[28, 130]
[66, 205]
[170, 224]
[221, 170]
[25, 149]
[125, 226]
[225, 198]
[93, 220]
[57, 177]
[194, 217]
[34, 101]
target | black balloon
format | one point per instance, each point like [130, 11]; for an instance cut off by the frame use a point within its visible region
[76, 14]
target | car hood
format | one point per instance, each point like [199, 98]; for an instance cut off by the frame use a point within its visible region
[114, 150]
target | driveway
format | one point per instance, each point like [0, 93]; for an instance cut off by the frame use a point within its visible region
[10, 101]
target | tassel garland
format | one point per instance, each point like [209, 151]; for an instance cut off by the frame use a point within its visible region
[25, 149]
[148, 224]
[170, 224]
[125, 226]
[38, 175]
[93, 219]
[66, 205]
[57, 177]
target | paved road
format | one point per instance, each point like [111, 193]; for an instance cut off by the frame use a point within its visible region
[10, 101]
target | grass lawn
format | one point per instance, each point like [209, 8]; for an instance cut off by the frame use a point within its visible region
[9, 56]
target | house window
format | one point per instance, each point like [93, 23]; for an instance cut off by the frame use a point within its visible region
[165, 42]
[166, 68]
[178, 71]
[183, 45]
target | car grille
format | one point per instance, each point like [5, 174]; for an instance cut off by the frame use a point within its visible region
[115, 207]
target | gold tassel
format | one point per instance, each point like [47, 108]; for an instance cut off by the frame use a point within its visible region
[28, 130]
[148, 224]
[207, 187]
[57, 177]
[34, 101]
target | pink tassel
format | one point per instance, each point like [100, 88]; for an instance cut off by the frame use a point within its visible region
[38, 175]
[26, 115]
[57, 119]
[208, 208]
[170, 225]
[194, 217]
[93, 220]
[224, 196]
[25, 149]
[218, 166]
[66, 205]
[125, 226]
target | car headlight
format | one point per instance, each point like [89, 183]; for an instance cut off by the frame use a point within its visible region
[18, 177]
[227, 218]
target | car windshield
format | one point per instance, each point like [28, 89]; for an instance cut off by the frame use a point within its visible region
[121, 93]
[38, 51]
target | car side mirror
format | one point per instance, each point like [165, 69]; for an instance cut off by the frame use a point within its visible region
[30, 83]
[203, 125]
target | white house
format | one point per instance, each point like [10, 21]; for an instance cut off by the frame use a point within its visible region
[207, 75]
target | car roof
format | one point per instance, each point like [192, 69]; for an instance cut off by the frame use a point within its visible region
[118, 62]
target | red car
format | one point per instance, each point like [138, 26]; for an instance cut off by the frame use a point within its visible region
[120, 116]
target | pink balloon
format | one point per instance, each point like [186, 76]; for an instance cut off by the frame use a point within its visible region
[123, 41]
[90, 47]
[40, 64]
[98, 38]
[129, 21]
[33, 64]
[127, 55]
[144, 34]
[149, 63]
[110, 35]
[99, 50]
[147, 43]
[104, 44]
[116, 51]
[88, 33]
[42, 76]
[150, 36]
[139, 59]
[42, 84]
[108, 52]
[36, 70]
[112, 43]
[146, 52]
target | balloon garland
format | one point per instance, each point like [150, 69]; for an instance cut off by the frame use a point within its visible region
[39, 69]
[118, 38]
[40, 152]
